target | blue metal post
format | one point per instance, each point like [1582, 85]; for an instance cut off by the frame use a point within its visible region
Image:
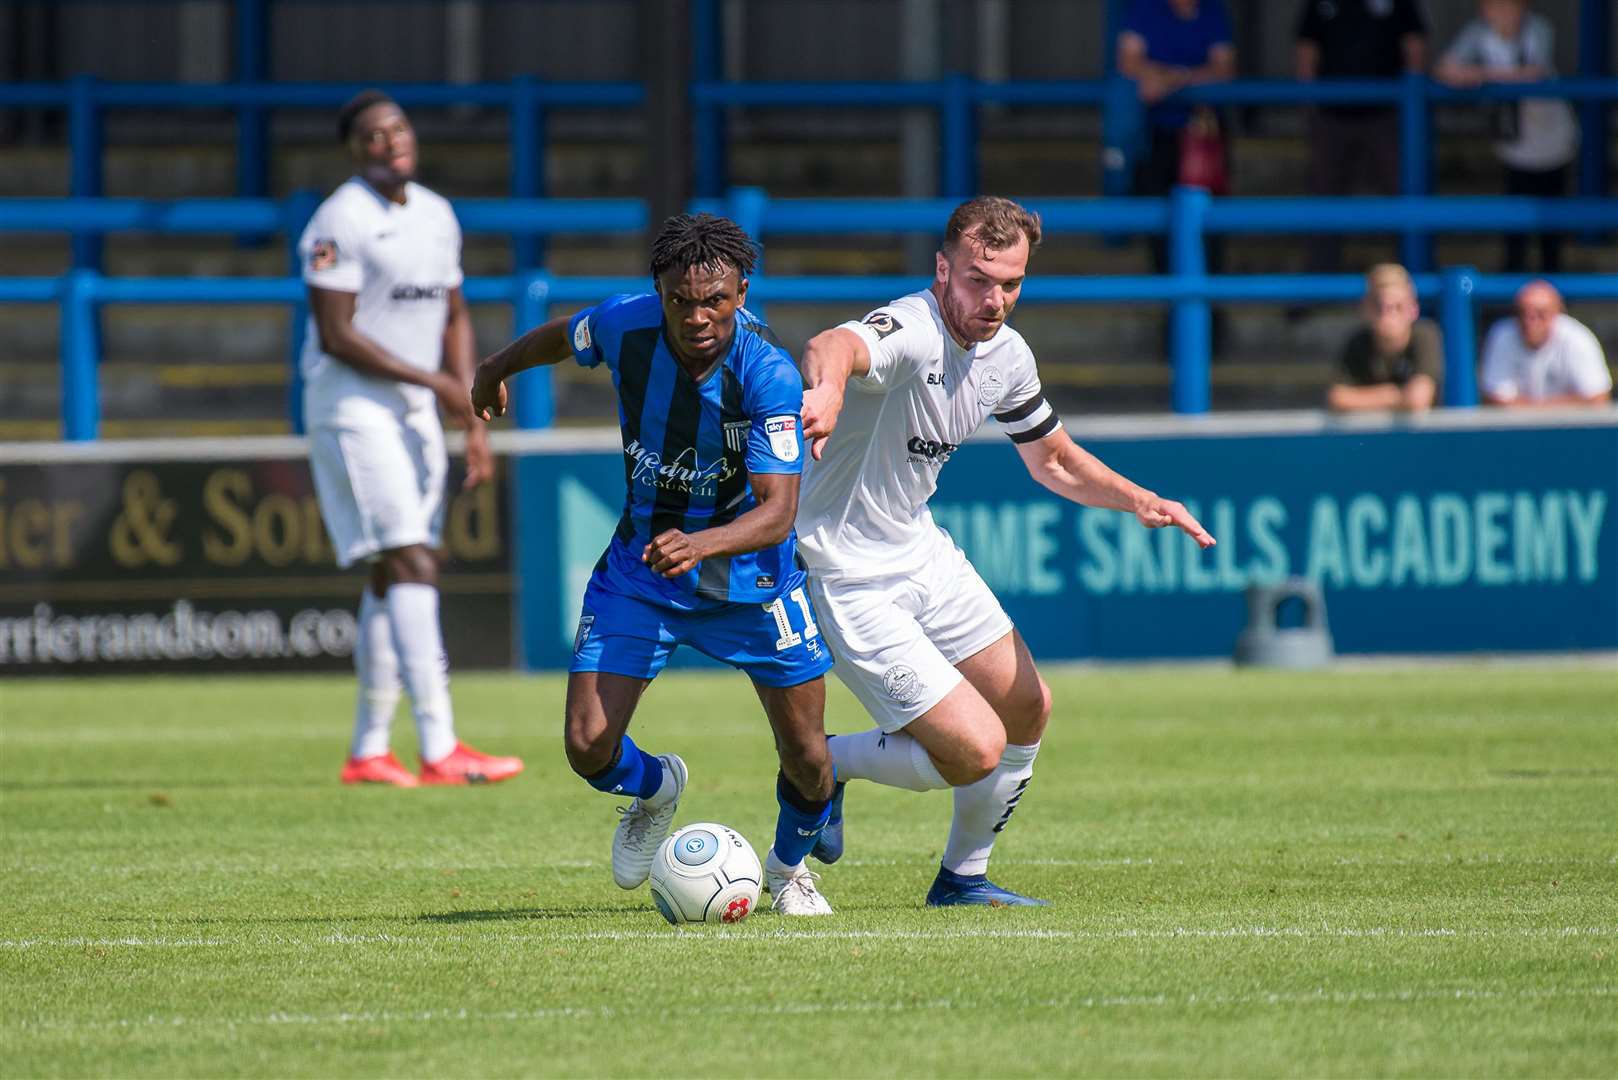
[1458, 322]
[527, 163]
[1595, 62]
[84, 138]
[1415, 164]
[252, 123]
[299, 209]
[533, 405]
[959, 139]
[1191, 320]
[81, 349]
[708, 121]
[746, 206]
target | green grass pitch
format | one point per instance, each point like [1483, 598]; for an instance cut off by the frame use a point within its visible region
[1374, 872]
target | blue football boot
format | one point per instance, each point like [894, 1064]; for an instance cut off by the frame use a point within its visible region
[959, 890]
[829, 844]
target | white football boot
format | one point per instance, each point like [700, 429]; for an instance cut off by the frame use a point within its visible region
[642, 828]
[793, 892]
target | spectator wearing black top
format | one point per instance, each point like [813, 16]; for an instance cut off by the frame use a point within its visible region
[1355, 148]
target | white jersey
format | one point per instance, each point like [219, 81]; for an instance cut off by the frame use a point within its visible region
[401, 260]
[863, 509]
[1570, 362]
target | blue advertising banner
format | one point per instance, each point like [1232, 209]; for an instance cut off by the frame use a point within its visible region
[1454, 536]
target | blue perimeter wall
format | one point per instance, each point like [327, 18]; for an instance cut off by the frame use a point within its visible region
[1462, 533]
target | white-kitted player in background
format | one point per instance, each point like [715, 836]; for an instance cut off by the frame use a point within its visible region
[389, 341]
[919, 638]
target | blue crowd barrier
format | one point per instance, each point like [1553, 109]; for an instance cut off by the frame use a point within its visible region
[956, 99]
[81, 293]
[86, 98]
[1186, 217]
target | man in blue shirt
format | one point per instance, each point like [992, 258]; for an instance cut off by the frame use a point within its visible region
[705, 554]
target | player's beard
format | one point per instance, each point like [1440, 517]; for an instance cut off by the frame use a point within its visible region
[965, 326]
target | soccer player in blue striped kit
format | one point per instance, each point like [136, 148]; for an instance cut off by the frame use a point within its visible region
[705, 553]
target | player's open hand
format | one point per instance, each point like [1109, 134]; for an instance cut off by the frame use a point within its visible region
[488, 392]
[672, 553]
[1159, 513]
[479, 458]
[821, 404]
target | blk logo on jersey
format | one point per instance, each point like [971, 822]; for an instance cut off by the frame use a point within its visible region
[783, 433]
[929, 450]
[935, 378]
[883, 323]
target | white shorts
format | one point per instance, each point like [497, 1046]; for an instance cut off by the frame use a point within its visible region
[897, 639]
[380, 482]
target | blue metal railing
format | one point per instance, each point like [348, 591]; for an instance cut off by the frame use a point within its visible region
[525, 98]
[955, 98]
[1187, 217]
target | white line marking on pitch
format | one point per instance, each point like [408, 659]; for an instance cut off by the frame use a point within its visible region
[1318, 996]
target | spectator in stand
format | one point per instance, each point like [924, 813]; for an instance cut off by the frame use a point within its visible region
[1537, 138]
[1355, 148]
[1165, 46]
[1543, 355]
[1394, 361]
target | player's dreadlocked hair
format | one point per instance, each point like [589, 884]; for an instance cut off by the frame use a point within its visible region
[705, 241]
[350, 112]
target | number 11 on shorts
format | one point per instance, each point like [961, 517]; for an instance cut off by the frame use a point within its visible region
[790, 637]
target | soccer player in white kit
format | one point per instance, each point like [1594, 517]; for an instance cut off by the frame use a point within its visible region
[389, 341]
[918, 636]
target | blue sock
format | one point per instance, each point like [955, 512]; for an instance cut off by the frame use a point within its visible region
[798, 823]
[633, 772]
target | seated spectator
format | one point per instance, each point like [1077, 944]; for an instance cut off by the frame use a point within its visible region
[1543, 355]
[1537, 138]
[1394, 361]
[1167, 45]
[1355, 148]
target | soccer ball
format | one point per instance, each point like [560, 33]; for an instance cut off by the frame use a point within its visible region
[706, 873]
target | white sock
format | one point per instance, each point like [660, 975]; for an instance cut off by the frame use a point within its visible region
[982, 810]
[377, 666]
[413, 613]
[896, 760]
[777, 868]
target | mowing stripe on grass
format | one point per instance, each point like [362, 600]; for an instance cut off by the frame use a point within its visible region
[1318, 996]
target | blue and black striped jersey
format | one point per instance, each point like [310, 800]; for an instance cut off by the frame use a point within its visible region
[689, 447]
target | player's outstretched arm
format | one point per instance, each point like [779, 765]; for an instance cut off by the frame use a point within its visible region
[829, 360]
[1067, 469]
[545, 344]
[672, 553]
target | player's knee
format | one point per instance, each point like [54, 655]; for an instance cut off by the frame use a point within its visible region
[975, 759]
[1034, 711]
[414, 565]
[810, 774]
[589, 750]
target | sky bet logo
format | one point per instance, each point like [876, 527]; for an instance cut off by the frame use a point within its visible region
[924, 450]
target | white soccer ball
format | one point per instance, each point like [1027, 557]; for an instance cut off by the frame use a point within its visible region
[706, 873]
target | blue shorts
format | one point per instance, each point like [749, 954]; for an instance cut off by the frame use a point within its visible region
[777, 644]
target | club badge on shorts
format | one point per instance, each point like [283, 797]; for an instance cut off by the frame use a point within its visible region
[903, 684]
[783, 433]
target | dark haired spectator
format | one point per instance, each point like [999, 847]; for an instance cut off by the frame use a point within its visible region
[1536, 138]
[1355, 148]
[1165, 46]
